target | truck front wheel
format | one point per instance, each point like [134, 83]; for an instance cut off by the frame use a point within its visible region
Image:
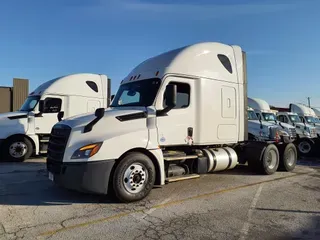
[17, 149]
[270, 160]
[133, 177]
[289, 158]
[304, 147]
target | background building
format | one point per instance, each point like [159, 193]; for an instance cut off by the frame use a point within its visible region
[11, 98]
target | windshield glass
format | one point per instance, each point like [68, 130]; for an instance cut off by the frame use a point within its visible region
[139, 93]
[294, 118]
[316, 120]
[311, 119]
[30, 103]
[269, 117]
[252, 115]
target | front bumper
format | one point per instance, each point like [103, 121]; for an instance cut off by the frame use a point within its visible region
[90, 177]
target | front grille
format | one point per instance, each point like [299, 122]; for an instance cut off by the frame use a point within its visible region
[292, 132]
[57, 142]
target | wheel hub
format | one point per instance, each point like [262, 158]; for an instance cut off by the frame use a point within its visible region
[290, 157]
[18, 149]
[272, 159]
[135, 178]
[304, 147]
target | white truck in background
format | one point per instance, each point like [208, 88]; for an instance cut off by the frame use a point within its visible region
[175, 116]
[317, 112]
[26, 132]
[306, 115]
[259, 130]
[264, 113]
[306, 133]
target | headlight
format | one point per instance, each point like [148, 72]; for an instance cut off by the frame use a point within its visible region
[264, 134]
[86, 151]
[306, 133]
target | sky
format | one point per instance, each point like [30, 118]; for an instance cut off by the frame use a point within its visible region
[41, 40]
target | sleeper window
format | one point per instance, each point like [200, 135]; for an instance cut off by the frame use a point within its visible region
[183, 95]
[52, 105]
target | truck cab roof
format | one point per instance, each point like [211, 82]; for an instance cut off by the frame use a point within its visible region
[81, 84]
[301, 110]
[259, 104]
[210, 60]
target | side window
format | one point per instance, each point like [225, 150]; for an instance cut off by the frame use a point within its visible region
[92, 85]
[280, 118]
[225, 62]
[285, 119]
[52, 105]
[183, 95]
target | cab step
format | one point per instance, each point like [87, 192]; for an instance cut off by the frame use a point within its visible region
[181, 178]
[44, 140]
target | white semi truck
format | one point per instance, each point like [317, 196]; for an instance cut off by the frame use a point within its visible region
[306, 133]
[26, 132]
[317, 112]
[263, 112]
[175, 116]
[259, 130]
[306, 115]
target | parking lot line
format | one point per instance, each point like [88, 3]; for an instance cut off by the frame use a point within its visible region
[163, 205]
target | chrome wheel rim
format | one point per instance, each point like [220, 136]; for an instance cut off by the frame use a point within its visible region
[304, 147]
[18, 149]
[272, 159]
[135, 178]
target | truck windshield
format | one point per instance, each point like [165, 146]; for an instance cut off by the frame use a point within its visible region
[138, 93]
[270, 117]
[30, 103]
[311, 119]
[252, 115]
[294, 118]
[316, 120]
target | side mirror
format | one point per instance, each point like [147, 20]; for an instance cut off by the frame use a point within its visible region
[99, 113]
[60, 116]
[171, 96]
[41, 106]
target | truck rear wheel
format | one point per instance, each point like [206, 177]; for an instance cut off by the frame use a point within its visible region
[270, 160]
[17, 149]
[289, 158]
[133, 177]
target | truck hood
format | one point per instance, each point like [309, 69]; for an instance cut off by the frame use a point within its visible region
[125, 127]
[110, 114]
[254, 127]
[13, 123]
[12, 114]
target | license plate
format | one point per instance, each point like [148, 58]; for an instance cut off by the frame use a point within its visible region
[50, 176]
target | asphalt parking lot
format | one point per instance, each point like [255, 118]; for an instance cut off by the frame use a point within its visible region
[236, 204]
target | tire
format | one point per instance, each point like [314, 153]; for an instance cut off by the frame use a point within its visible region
[288, 159]
[304, 147]
[17, 149]
[133, 177]
[270, 160]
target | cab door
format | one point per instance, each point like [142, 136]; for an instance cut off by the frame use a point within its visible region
[44, 121]
[176, 126]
